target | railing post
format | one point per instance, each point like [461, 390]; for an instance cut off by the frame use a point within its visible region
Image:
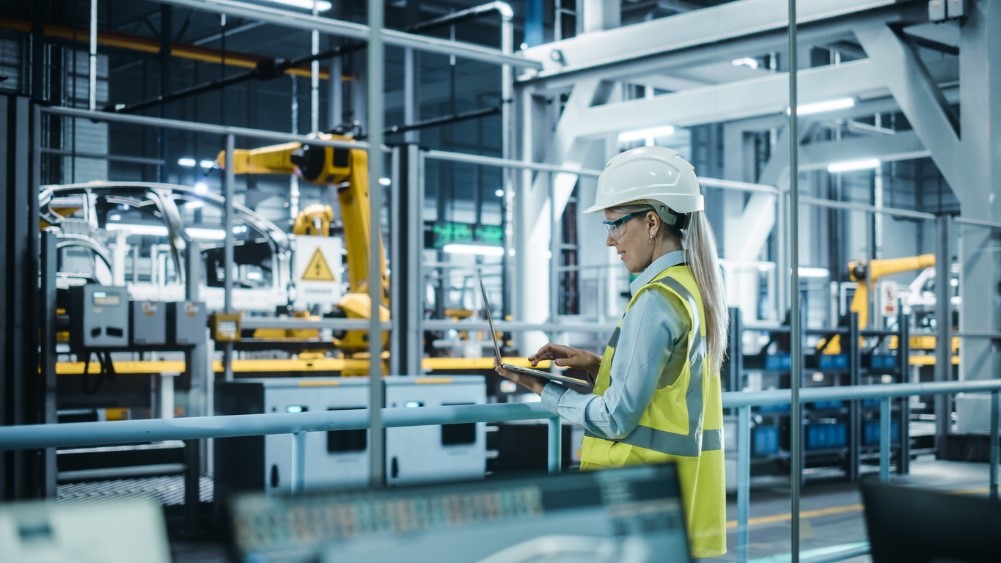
[884, 439]
[904, 361]
[743, 480]
[299, 463]
[555, 445]
[192, 487]
[994, 447]
[854, 406]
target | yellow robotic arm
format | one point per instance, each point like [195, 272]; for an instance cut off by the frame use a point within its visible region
[866, 274]
[347, 169]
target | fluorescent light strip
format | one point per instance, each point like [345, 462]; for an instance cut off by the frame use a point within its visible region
[808, 272]
[321, 6]
[640, 134]
[820, 107]
[205, 234]
[850, 165]
[187, 162]
[161, 231]
[477, 249]
[138, 229]
[749, 62]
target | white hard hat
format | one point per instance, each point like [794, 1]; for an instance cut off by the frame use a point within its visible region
[654, 175]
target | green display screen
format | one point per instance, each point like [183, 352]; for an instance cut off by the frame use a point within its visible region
[449, 232]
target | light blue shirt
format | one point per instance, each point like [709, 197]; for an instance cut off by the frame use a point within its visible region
[651, 331]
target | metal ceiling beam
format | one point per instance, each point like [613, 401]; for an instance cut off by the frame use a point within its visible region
[902, 146]
[700, 36]
[861, 109]
[918, 94]
[339, 28]
[743, 99]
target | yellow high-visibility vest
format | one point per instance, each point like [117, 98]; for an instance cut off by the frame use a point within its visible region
[683, 423]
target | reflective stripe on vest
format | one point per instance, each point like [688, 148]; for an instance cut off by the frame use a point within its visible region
[696, 440]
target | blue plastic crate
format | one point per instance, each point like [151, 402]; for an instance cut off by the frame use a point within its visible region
[870, 432]
[883, 361]
[765, 441]
[826, 436]
[779, 408]
[777, 362]
[827, 405]
[833, 361]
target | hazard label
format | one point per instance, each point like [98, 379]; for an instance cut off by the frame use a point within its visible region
[318, 269]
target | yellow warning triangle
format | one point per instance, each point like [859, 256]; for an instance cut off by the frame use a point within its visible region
[318, 269]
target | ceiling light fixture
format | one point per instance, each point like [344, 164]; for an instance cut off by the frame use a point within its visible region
[851, 165]
[187, 162]
[640, 134]
[321, 6]
[138, 229]
[749, 62]
[820, 107]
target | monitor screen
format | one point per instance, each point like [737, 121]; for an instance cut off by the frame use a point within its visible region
[906, 523]
[628, 514]
[110, 531]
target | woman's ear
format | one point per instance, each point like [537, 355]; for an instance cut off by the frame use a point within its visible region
[653, 223]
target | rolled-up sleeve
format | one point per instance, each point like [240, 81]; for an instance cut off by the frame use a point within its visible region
[646, 341]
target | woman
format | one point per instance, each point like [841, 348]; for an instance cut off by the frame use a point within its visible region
[656, 393]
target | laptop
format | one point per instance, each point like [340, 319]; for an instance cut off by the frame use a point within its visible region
[906, 523]
[561, 379]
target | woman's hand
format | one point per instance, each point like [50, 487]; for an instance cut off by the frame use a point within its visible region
[569, 357]
[530, 382]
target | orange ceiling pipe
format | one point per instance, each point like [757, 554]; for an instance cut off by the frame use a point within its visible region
[120, 41]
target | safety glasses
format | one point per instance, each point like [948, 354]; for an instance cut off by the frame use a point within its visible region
[614, 226]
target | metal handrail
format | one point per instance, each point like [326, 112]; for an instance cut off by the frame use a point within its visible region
[298, 424]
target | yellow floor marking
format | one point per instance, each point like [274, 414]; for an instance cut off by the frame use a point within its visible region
[759, 520]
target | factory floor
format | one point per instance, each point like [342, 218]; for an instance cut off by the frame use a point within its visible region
[831, 514]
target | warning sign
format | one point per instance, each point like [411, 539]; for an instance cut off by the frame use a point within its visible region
[888, 298]
[318, 269]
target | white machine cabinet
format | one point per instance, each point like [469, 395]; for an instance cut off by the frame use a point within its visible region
[341, 458]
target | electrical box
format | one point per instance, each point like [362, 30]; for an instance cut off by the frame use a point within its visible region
[226, 327]
[956, 9]
[99, 317]
[186, 322]
[340, 458]
[148, 323]
[936, 10]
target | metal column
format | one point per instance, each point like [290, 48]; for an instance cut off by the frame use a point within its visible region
[904, 363]
[795, 335]
[943, 337]
[229, 182]
[196, 362]
[47, 314]
[407, 249]
[377, 394]
[22, 398]
[854, 407]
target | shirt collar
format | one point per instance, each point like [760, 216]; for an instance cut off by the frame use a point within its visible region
[672, 258]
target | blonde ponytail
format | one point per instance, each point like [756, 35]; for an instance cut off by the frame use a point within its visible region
[703, 259]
